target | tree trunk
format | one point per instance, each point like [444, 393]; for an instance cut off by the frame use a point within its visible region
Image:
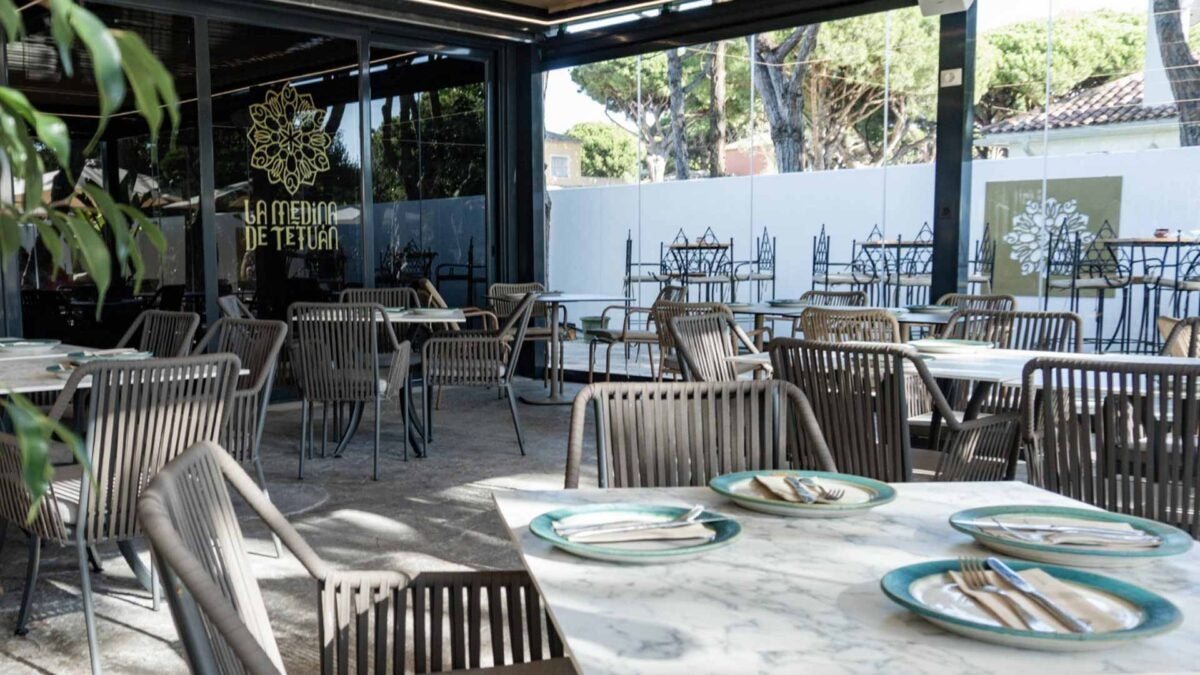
[1183, 71]
[717, 127]
[782, 93]
[789, 151]
[675, 87]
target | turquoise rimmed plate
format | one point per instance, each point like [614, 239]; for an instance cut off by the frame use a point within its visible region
[861, 495]
[724, 531]
[23, 346]
[1174, 540]
[926, 589]
[80, 358]
[931, 309]
[787, 302]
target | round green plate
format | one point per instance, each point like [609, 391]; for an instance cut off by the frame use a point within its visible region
[724, 532]
[870, 494]
[1150, 614]
[1174, 540]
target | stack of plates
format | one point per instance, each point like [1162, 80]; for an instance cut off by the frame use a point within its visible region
[931, 309]
[24, 347]
[794, 302]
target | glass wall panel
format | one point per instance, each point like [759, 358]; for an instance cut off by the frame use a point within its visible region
[158, 177]
[429, 172]
[287, 164]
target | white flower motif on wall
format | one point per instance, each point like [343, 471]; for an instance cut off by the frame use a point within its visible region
[1029, 237]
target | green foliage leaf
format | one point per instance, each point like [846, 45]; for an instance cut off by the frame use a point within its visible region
[17, 144]
[608, 150]
[35, 432]
[106, 65]
[50, 129]
[115, 219]
[94, 254]
[10, 20]
[63, 34]
[153, 87]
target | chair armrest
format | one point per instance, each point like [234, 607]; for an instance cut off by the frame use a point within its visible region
[485, 315]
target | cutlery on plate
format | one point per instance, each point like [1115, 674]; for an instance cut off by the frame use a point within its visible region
[1011, 576]
[1016, 529]
[806, 496]
[974, 577]
[663, 525]
[682, 519]
[1088, 537]
[826, 494]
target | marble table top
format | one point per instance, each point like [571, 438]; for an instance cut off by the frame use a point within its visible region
[905, 317]
[802, 595]
[999, 366]
[409, 316]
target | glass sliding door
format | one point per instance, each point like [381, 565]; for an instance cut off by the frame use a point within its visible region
[287, 164]
[429, 158]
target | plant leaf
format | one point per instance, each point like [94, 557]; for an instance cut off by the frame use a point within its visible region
[50, 130]
[52, 239]
[34, 432]
[153, 88]
[143, 225]
[114, 219]
[10, 20]
[90, 245]
[63, 34]
[106, 65]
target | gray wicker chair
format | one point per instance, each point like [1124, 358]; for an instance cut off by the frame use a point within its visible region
[433, 298]
[232, 307]
[858, 393]
[476, 358]
[257, 345]
[829, 299]
[626, 335]
[140, 415]
[1181, 337]
[391, 298]
[671, 434]
[336, 350]
[704, 344]
[1120, 436]
[163, 334]
[849, 325]
[364, 620]
[1005, 303]
[1037, 331]
[664, 312]
[503, 299]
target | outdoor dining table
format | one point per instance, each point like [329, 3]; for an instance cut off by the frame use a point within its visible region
[802, 595]
[27, 374]
[553, 363]
[761, 311]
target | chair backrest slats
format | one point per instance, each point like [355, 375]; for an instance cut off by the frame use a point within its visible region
[164, 334]
[336, 349]
[684, 434]
[1035, 331]
[849, 325]
[998, 302]
[1121, 436]
[391, 298]
[834, 298]
[705, 343]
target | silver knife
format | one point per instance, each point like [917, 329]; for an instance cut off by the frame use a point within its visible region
[806, 496]
[1064, 529]
[665, 525]
[1010, 575]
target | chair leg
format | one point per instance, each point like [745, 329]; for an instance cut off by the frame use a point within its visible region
[591, 361]
[428, 410]
[405, 402]
[262, 483]
[89, 610]
[31, 574]
[325, 426]
[512, 407]
[144, 575]
[375, 449]
[303, 436]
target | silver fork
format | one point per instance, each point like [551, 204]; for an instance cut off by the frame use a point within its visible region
[826, 494]
[974, 576]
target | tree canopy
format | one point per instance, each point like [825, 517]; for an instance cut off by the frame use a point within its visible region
[608, 150]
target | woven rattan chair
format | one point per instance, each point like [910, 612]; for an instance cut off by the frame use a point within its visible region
[504, 298]
[391, 298]
[626, 335]
[163, 334]
[1181, 337]
[366, 620]
[433, 298]
[257, 345]
[858, 395]
[664, 312]
[829, 299]
[1121, 436]
[849, 325]
[704, 345]
[1036, 331]
[477, 358]
[672, 434]
[1005, 303]
[336, 358]
[140, 415]
[232, 307]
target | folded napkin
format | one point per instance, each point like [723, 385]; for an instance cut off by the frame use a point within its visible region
[1072, 538]
[776, 487]
[693, 531]
[1060, 592]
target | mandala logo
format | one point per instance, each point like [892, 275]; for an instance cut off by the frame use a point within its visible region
[288, 138]
[1031, 231]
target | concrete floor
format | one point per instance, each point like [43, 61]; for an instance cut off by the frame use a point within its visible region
[436, 511]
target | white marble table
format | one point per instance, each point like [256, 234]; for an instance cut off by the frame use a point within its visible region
[555, 300]
[410, 316]
[802, 596]
[27, 374]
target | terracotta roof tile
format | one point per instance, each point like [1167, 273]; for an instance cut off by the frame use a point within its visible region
[1114, 102]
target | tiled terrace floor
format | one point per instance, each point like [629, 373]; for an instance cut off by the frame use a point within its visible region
[438, 510]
